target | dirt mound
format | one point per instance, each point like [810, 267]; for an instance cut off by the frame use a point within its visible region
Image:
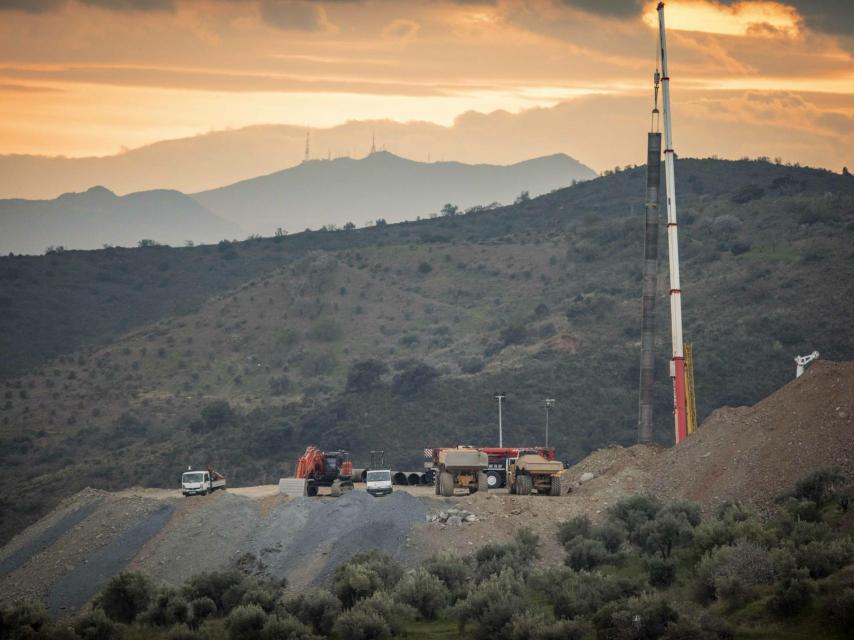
[754, 454]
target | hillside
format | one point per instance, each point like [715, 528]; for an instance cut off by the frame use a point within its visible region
[382, 185]
[99, 217]
[539, 299]
[71, 552]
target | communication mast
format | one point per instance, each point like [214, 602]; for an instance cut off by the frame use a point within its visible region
[307, 145]
[677, 362]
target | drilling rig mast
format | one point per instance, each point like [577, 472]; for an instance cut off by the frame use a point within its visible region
[677, 362]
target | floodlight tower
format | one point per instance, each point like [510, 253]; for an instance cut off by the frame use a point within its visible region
[677, 362]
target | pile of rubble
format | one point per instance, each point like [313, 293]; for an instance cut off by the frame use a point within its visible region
[452, 517]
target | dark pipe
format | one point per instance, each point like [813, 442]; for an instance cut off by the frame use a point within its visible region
[399, 478]
[414, 478]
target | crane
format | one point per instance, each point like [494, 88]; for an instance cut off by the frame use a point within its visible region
[803, 361]
[677, 361]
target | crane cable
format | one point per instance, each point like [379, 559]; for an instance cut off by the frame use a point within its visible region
[654, 123]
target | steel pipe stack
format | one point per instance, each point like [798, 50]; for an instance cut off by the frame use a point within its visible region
[650, 275]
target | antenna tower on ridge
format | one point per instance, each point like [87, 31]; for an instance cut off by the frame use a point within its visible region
[373, 143]
[307, 145]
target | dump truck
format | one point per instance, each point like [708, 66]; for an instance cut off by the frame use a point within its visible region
[500, 458]
[461, 468]
[531, 471]
[202, 482]
[316, 469]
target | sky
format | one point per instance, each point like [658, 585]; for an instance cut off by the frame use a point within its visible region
[505, 80]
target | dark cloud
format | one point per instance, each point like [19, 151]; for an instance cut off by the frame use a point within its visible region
[132, 5]
[30, 6]
[293, 15]
[612, 8]
[828, 16]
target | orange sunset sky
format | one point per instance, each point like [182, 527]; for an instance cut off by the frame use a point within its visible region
[98, 77]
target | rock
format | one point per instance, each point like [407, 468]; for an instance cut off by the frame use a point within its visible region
[471, 518]
[586, 477]
[455, 521]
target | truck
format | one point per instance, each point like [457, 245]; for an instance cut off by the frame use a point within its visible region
[500, 458]
[532, 472]
[461, 468]
[201, 483]
[316, 469]
[378, 482]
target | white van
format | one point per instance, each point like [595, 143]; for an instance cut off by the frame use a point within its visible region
[201, 482]
[379, 482]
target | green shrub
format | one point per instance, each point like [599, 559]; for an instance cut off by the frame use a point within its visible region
[219, 586]
[423, 591]
[396, 614]
[819, 485]
[201, 609]
[24, 619]
[491, 604]
[316, 607]
[611, 535]
[453, 572]
[285, 627]
[661, 572]
[578, 526]
[518, 555]
[95, 625]
[126, 596]
[665, 532]
[325, 330]
[362, 624]
[365, 375]
[265, 598]
[706, 628]
[584, 553]
[217, 414]
[246, 622]
[839, 608]
[535, 625]
[167, 607]
[364, 574]
[824, 558]
[183, 632]
[633, 512]
[637, 618]
[582, 593]
[791, 594]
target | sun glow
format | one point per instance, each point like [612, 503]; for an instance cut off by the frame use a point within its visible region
[739, 19]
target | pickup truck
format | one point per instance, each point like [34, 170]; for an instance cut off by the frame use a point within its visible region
[201, 482]
[378, 482]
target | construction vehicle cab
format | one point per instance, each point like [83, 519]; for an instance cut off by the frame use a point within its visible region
[201, 482]
[461, 468]
[316, 469]
[532, 472]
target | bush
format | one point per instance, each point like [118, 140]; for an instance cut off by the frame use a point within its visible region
[264, 597]
[414, 380]
[362, 624]
[578, 526]
[24, 619]
[581, 593]
[472, 365]
[823, 558]
[396, 614]
[792, 593]
[839, 608]
[365, 375]
[423, 591]
[638, 618]
[246, 622]
[491, 604]
[217, 414]
[819, 485]
[317, 608]
[286, 628]
[425, 268]
[611, 535]
[633, 512]
[453, 572]
[518, 555]
[530, 625]
[126, 596]
[183, 632]
[95, 625]
[661, 572]
[201, 609]
[325, 330]
[219, 586]
[167, 608]
[666, 531]
[584, 553]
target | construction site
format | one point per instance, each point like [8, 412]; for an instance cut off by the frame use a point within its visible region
[468, 501]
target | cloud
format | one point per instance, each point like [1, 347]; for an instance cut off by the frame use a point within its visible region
[404, 30]
[132, 5]
[30, 6]
[611, 8]
[295, 15]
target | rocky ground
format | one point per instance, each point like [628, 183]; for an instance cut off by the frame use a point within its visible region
[752, 454]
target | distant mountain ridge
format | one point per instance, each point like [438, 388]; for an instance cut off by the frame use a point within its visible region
[382, 185]
[98, 216]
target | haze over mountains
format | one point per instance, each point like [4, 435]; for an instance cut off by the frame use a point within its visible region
[313, 194]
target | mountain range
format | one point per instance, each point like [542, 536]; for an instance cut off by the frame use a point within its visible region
[310, 195]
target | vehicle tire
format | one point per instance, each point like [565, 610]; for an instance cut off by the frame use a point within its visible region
[555, 488]
[311, 490]
[483, 481]
[446, 484]
[523, 485]
[436, 485]
[493, 479]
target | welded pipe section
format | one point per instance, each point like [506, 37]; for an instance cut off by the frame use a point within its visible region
[677, 363]
[650, 274]
[414, 479]
[400, 478]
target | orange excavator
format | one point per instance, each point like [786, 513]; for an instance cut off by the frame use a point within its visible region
[316, 469]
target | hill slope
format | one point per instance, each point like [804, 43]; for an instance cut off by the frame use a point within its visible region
[382, 185]
[97, 217]
[540, 300]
